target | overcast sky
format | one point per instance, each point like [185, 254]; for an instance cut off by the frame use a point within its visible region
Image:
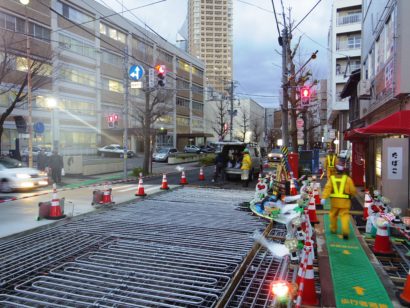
[257, 66]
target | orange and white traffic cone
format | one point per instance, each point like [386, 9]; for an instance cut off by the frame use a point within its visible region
[312, 211]
[201, 174]
[309, 296]
[368, 202]
[164, 185]
[382, 244]
[106, 199]
[404, 297]
[55, 209]
[140, 191]
[183, 179]
[293, 190]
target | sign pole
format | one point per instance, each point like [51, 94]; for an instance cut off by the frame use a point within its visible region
[125, 120]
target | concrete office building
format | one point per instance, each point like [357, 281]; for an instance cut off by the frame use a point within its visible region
[344, 40]
[89, 45]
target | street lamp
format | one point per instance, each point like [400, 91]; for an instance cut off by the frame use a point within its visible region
[29, 103]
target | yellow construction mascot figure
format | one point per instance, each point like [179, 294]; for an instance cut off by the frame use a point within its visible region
[330, 163]
[340, 188]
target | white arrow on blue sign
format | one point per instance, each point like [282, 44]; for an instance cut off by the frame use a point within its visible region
[136, 72]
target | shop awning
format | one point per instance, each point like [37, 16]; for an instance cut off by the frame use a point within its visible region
[396, 124]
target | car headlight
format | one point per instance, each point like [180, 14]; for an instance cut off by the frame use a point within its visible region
[42, 173]
[23, 176]
[270, 155]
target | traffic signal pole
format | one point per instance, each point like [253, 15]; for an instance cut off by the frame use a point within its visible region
[231, 113]
[285, 98]
[125, 120]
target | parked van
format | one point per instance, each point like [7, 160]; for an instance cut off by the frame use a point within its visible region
[232, 151]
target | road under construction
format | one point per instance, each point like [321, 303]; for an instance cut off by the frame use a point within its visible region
[186, 247]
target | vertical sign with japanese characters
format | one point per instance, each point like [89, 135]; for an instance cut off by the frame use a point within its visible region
[395, 163]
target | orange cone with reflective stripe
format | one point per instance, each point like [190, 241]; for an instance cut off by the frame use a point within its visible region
[312, 210]
[106, 199]
[382, 244]
[368, 202]
[309, 296]
[404, 297]
[201, 174]
[164, 185]
[140, 191]
[55, 209]
[293, 190]
[183, 179]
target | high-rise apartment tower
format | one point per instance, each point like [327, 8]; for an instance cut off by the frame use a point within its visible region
[210, 39]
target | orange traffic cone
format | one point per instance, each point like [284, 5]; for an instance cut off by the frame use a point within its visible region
[106, 199]
[382, 244]
[55, 209]
[201, 174]
[312, 211]
[164, 185]
[404, 297]
[368, 202]
[140, 191]
[293, 190]
[309, 296]
[183, 179]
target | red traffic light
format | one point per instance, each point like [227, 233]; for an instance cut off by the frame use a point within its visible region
[161, 69]
[110, 118]
[115, 117]
[305, 93]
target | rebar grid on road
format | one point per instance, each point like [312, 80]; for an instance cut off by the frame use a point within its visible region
[153, 253]
[254, 287]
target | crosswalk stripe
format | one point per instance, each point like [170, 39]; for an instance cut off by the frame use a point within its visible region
[135, 187]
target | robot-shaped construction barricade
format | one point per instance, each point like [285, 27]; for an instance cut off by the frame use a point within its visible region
[103, 196]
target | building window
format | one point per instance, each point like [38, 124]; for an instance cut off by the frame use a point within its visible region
[354, 41]
[113, 85]
[143, 47]
[111, 58]
[12, 23]
[76, 46]
[39, 32]
[112, 33]
[76, 76]
[197, 89]
[197, 124]
[163, 56]
[197, 106]
[74, 15]
[182, 102]
[165, 119]
[42, 68]
[181, 121]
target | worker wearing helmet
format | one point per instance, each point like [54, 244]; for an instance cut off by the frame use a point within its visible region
[246, 167]
[330, 163]
[340, 188]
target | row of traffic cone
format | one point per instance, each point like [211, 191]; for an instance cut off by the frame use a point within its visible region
[164, 185]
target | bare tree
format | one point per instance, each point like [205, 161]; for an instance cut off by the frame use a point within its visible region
[297, 80]
[14, 69]
[243, 123]
[256, 131]
[219, 125]
[157, 104]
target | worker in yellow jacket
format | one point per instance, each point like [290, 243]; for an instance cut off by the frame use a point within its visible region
[340, 188]
[330, 163]
[246, 167]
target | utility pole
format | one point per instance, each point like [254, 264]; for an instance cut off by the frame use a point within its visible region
[125, 120]
[231, 113]
[285, 99]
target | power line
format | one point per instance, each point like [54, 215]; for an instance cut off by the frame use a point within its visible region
[277, 24]
[305, 16]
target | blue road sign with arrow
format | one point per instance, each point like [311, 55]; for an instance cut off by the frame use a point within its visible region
[136, 72]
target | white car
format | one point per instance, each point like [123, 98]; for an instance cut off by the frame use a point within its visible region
[36, 150]
[14, 176]
[114, 150]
